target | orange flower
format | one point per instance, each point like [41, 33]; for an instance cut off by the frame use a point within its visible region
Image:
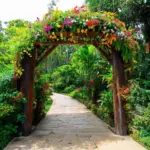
[62, 26]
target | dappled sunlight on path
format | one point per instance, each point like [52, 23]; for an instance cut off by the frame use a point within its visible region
[69, 125]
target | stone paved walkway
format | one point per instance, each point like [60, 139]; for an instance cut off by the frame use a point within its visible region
[70, 126]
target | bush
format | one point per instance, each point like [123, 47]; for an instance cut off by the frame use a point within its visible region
[42, 101]
[69, 89]
[142, 124]
[143, 140]
[105, 110]
[138, 108]
[80, 93]
[11, 110]
[138, 95]
[63, 77]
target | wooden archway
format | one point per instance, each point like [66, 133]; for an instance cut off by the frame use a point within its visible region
[38, 55]
[77, 26]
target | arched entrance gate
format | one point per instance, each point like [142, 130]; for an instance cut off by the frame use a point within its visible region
[79, 26]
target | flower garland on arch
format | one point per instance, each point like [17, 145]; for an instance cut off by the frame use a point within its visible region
[77, 24]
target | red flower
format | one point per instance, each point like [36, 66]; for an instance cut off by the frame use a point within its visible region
[116, 20]
[76, 10]
[89, 23]
[128, 33]
[91, 82]
[62, 26]
[96, 22]
[15, 77]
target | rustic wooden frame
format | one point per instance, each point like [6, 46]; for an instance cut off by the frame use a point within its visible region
[119, 79]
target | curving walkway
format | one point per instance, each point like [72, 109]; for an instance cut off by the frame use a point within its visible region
[70, 126]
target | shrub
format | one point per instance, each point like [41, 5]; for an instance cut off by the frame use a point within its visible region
[106, 101]
[105, 110]
[69, 89]
[143, 140]
[138, 95]
[42, 101]
[63, 77]
[142, 124]
[11, 110]
[80, 93]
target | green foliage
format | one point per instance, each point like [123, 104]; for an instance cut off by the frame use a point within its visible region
[42, 100]
[69, 89]
[139, 11]
[107, 5]
[106, 100]
[138, 108]
[5, 109]
[63, 77]
[142, 124]
[138, 95]
[105, 110]
[11, 110]
[80, 93]
[141, 139]
[6, 134]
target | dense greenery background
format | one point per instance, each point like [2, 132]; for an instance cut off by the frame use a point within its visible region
[82, 73]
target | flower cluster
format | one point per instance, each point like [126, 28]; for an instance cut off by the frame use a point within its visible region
[78, 10]
[81, 20]
[78, 24]
[68, 22]
[48, 28]
[124, 91]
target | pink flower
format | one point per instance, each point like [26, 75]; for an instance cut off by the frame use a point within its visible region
[137, 29]
[68, 22]
[76, 7]
[36, 34]
[48, 28]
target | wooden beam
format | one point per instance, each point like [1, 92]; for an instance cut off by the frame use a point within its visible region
[69, 34]
[80, 42]
[46, 54]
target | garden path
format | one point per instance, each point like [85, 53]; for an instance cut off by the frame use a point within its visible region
[69, 125]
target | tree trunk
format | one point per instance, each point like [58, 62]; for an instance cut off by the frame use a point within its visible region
[27, 88]
[94, 98]
[119, 80]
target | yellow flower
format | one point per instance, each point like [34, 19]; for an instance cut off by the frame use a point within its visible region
[82, 31]
[91, 27]
[86, 30]
[61, 35]
[53, 33]
[58, 25]
[78, 30]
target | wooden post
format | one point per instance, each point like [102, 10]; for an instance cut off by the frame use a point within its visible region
[119, 80]
[148, 47]
[27, 88]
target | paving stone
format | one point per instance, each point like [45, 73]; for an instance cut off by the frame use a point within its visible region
[70, 126]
